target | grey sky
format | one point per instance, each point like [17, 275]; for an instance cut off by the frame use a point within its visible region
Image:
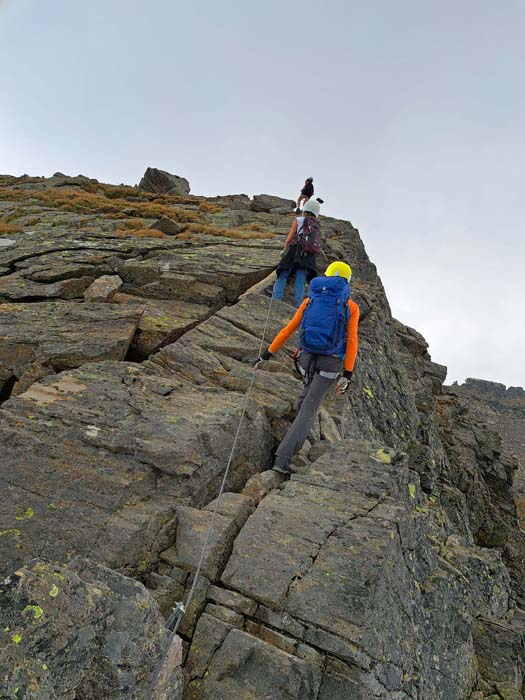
[409, 115]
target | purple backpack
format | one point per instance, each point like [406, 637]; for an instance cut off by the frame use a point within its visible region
[308, 236]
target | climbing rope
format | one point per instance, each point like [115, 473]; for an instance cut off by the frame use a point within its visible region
[181, 609]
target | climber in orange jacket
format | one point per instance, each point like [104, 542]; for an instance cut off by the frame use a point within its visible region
[327, 321]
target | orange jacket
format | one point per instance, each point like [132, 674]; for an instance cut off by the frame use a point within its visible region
[351, 333]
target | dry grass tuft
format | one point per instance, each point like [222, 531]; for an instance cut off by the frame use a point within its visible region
[85, 201]
[185, 236]
[252, 227]
[115, 191]
[210, 208]
[6, 228]
[141, 233]
[222, 232]
[128, 224]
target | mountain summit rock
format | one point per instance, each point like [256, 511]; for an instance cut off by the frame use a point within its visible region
[162, 182]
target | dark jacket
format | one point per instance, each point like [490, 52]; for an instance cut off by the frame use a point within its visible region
[308, 189]
[295, 259]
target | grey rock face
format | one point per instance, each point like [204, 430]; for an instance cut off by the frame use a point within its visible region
[162, 321]
[80, 631]
[162, 182]
[245, 666]
[391, 566]
[103, 288]
[167, 226]
[503, 410]
[60, 336]
[111, 449]
[233, 201]
[347, 613]
[268, 202]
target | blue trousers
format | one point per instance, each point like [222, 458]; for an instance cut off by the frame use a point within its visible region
[300, 281]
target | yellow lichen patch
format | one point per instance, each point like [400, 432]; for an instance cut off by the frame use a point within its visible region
[11, 531]
[53, 591]
[36, 611]
[16, 638]
[40, 568]
[412, 490]
[368, 392]
[383, 456]
[28, 513]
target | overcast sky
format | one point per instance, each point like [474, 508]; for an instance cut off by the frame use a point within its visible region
[409, 115]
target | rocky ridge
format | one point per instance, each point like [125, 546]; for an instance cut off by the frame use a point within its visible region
[391, 566]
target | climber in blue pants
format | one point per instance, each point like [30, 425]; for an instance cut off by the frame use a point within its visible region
[300, 252]
[298, 290]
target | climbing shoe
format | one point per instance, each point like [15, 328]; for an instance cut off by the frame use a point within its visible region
[282, 469]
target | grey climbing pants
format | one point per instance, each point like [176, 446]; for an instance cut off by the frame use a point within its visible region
[319, 372]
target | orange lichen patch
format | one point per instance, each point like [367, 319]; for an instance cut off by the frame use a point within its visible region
[223, 232]
[45, 394]
[10, 308]
[5, 227]
[141, 232]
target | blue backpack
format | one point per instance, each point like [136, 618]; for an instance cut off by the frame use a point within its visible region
[323, 328]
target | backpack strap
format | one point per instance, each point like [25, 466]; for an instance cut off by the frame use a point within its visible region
[298, 233]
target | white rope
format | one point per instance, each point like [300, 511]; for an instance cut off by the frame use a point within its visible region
[213, 517]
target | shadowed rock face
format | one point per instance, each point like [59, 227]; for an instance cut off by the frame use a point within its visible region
[58, 336]
[390, 567]
[503, 410]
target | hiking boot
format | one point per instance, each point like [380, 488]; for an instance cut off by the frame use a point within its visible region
[282, 469]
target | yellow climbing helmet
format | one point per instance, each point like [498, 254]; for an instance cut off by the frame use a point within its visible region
[339, 269]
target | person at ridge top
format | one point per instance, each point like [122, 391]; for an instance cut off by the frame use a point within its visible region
[301, 248]
[306, 193]
[328, 321]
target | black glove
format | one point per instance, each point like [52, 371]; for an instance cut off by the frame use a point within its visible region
[266, 355]
[343, 382]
